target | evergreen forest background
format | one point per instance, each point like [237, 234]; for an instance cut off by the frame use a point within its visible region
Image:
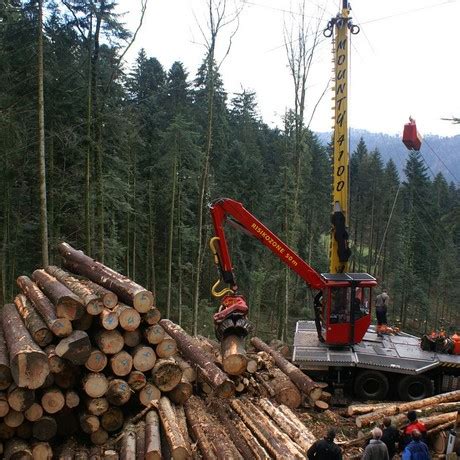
[135, 154]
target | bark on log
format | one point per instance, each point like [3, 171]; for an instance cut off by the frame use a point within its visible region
[55, 362]
[121, 363]
[132, 338]
[53, 400]
[301, 380]
[45, 428]
[42, 451]
[20, 399]
[108, 319]
[234, 360]
[129, 318]
[128, 445]
[209, 434]
[303, 438]
[140, 441]
[166, 348]
[96, 361]
[108, 298]
[5, 372]
[109, 342]
[118, 392]
[166, 374]
[361, 409]
[152, 316]
[95, 384]
[181, 420]
[34, 412]
[152, 436]
[33, 321]
[61, 327]
[89, 298]
[68, 305]
[96, 406]
[17, 449]
[275, 442]
[282, 387]
[217, 379]
[241, 436]
[76, 348]
[126, 289]
[144, 358]
[148, 394]
[112, 420]
[28, 363]
[439, 428]
[137, 380]
[174, 437]
[367, 419]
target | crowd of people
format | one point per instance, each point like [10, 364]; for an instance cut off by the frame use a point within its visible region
[386, 443]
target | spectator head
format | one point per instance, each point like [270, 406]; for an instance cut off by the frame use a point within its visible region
[387, 422]
[412, 416]
[376, 433]
[416, 435]
[330, 434]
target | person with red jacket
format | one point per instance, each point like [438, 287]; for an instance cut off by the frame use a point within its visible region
[414, 424]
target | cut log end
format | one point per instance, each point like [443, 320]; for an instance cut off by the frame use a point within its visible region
[143, 301]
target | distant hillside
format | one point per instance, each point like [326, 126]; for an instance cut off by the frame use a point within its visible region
[441, 154]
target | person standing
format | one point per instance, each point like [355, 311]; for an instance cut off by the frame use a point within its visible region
[416, 449]
[325, 449]
[390, 436]
[318, 307]
[376, 449]
[381, 306]
[414, 425]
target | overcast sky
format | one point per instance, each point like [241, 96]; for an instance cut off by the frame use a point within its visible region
[405, 61]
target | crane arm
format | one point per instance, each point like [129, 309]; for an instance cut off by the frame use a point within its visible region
[231, 211]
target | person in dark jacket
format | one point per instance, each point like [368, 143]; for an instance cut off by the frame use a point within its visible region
[325, 449]
[416, 449]
[376, 449]
[390, 436]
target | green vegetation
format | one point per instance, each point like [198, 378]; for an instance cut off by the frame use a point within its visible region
[132, 155]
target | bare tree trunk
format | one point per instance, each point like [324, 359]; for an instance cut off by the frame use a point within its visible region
[41, 141]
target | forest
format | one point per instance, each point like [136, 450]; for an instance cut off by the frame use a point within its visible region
[126, 159]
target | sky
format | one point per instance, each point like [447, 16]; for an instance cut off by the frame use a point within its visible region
[404, 62]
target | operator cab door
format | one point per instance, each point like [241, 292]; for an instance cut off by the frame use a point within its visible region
[348, 314]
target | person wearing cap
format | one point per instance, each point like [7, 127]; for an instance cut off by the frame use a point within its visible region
[416, 449]
[325, 449]
[376, 449]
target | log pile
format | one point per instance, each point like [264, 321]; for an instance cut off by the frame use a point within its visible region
[83, 349]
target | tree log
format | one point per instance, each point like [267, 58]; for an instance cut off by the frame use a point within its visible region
[17, 449]
[137, 380]
[152, 316]
[96, 406]
[301, 380]
[118, 392]
[68, 377]
[166, 374]
[121, 363]
[95, 384]
[148, 394]
[45, 428]
[61, 327]
[6, 432]
[166, 348]
[361, 409]
[90, 300]
[68, 305]
[28, 363]
[181, 420]
[367, 419]
[42, 451]
[209, 434]
[108, 319]
[187, 370]
[24, 430]
[190, 350]
[76, 347]
[72, 399]
[128, 445]
[33, 321]
[144, 358]
[234, 360]
[96, 361]
[173, 434]
[275, 442]
[128, 318]
[84, 323]
[152, 436]
[109, 342]
[154, 334]
[132, 338]
[89, 423]
[52, 400]
[241, 436]
[34, 412]
[181, 392]
[13, 418]
[284, 390]
[99, 437]
[55, 362]
[112, 420]
[4, 406]
[5, 372]
[20, 399]
[108, 298]
[126, 289]
[140, 441]
[303, 438]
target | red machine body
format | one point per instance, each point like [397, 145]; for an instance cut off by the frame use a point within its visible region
[346, 296]
[411, 137]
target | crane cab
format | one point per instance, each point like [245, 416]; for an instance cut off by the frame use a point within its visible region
[411, 137]
[347, 307]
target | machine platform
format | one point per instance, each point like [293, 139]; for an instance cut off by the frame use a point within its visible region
[391, 353]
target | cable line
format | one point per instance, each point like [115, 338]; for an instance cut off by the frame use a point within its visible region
[440, 159]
